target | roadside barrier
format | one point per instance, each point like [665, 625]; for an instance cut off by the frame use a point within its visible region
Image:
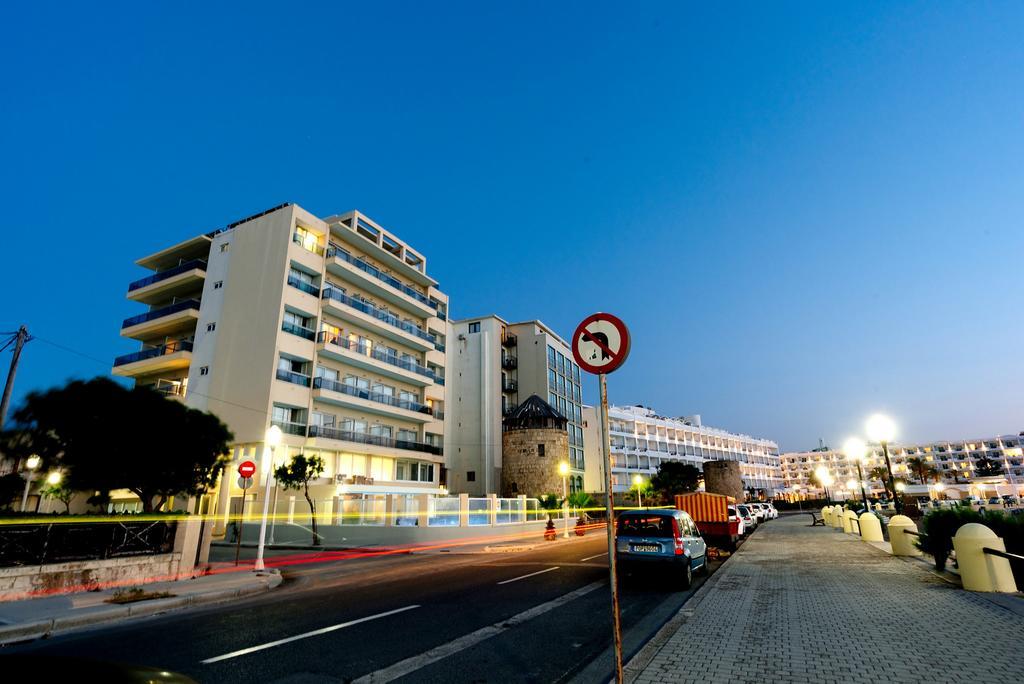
[849, 519]
[982, 559]
[837, 517]
[870, 527]
[902, 531]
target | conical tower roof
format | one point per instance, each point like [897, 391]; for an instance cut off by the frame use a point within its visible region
[535, 413]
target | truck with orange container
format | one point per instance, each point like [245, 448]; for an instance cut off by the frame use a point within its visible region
[711, 513]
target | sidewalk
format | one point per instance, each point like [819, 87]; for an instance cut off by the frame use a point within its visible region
[810, 604]
[39, 617]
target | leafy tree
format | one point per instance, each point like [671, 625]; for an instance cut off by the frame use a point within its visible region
[986, 467]
[297, 475]
[61, 492]
[922, 470]
[580, 500]
[549, 502]
[107, 437]
[674, 478]
[12, 485]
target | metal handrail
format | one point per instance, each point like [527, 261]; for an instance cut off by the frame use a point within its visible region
[389, 318]
[341, 253]
[378, 397]
[916, 534]
[164, 275]
[160, 313]
[325, 337]
[1004, 554]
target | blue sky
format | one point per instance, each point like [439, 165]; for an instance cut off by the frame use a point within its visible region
[805, 212]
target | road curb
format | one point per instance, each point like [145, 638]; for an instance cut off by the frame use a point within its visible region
[38, 629]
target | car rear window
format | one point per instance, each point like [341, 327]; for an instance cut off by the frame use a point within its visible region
[659, 526]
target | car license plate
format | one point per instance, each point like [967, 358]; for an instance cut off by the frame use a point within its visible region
[644, 548]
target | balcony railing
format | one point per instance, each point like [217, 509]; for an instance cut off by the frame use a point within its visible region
[183, 305]
[293, 377]
[325, 337]
[439, 347]
[304, 286]
[390, 319]
[170, 389]
[298, 330]
[164, 275]
[439, 380]
[312, 246]
[162, 350]
[509, 362]
[509, 386]
[342, 254]
[509, 340]
[380, 398]
[290, 428]
[366, 438]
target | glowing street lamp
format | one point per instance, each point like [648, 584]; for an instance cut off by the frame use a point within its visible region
[939, 488]
[638, 482]
[272, 439]
[563, 470]
[31, 463]
[54, 478]
[824, 479]
[881, 429]
[856, 450]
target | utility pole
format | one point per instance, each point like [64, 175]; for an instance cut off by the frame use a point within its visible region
[19, 339]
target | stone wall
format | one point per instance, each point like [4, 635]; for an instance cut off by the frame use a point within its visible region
[723, 477]
[524, 470]
[57, 578]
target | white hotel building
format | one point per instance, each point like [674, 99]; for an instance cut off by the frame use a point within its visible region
[955, 462]
[641, 440]
[330, 329]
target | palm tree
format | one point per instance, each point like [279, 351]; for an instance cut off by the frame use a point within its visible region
[923, 470]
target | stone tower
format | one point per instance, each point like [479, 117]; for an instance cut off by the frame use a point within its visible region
[533, 442]
[723, 477]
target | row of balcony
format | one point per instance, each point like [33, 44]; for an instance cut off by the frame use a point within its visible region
[162, 350]
[336, 295]
[184, 305]
[509, 362]
[342, 254]
[374, 352]
[184, 267]
[378, 397]
[314, 431]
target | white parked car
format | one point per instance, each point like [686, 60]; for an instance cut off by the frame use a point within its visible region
[735, 515]
[773, 513]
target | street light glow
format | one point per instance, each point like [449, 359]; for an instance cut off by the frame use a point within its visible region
[32, 462]
[850, 484]
[901, 486]
[881, 429]
[563, 468]
[273, 437]
[638, 480]
[54, 478]
[939, 486]
[855, 449]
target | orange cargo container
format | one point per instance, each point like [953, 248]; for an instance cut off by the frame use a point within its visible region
[711, 513]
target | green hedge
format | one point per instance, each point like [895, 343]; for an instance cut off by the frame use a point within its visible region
[939, 527]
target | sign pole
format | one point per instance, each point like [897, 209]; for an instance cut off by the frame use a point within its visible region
[241, 519]
[612, 570]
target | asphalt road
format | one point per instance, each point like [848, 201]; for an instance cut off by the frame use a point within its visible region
[533, 616]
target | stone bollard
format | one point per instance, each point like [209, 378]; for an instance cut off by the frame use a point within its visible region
[870, 527]
[902, 543]
[849, 526]
[878, 507]
[826, 515]
[978, 570]
[837, 517]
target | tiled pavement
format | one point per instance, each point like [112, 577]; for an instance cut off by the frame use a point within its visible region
[810, 604]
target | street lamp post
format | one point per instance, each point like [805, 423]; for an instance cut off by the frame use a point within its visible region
[563, 470]
[272, 439]
[799, 501]
[824, 479]
[31, 463]
[638, 482]
[939, 488]
[855, 450]
[900, 488]
[881, 429]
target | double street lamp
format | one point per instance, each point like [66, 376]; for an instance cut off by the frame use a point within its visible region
[272, 439]
[563, 470]
[881, 429]
[31, 463]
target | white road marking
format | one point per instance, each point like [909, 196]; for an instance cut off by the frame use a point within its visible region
[404, 667]
[539, 572]
[584, 560]
[305, 635]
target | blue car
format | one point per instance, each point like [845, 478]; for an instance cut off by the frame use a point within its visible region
[660, 539]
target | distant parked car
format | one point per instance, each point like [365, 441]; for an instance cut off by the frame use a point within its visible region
[772, 511]
[734, 514]
[995, 500]
[749, 518]
[758, 510]
[664, 539]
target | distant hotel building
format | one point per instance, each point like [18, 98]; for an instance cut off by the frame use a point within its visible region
[494, 366]
[641, 440]
[330, 329]
[955, 462]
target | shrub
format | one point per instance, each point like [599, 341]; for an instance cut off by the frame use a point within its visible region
[938, 528]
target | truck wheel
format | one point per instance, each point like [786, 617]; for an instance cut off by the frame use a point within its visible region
[687, 578]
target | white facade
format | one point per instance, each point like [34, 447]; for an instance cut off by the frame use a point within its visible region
[330, 329]
[955, 462]
[494, 365]
[641, 440]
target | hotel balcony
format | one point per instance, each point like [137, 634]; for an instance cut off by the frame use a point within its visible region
[509, 340]
[166, 320]
[372, 359]
[369, 316]
[184, 278]
[509, 386]
[509, 362]
[167, 357]
[380, 284]
[386, 446]
[340, 394]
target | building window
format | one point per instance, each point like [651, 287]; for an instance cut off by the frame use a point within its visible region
[470, 476]
[474, 327]
[224, 247]
[219, 284]
[204, 370]
[540, 450]
[210, 327]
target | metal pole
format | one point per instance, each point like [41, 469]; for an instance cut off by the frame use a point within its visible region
[20, 338]
[612, 570]
[273, 516]
[863, 494]
[565, 508]
[241, 519]
[266, 508]
[24, 497]
[892, 480]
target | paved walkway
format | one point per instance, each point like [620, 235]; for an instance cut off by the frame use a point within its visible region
[803, 604]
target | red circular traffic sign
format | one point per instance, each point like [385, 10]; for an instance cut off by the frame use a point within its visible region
[600, 343]
[246, 468]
